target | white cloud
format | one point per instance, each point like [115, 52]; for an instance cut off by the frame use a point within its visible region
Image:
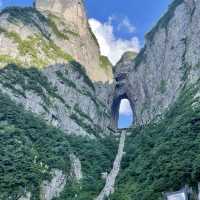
[111, 46]
[125, 107]
[126, 24]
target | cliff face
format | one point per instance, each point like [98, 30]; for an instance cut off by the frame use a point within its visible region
[50, 38]
[86, 50]
[62, 94]
[53, 32]
[72, 11]
[169, 61]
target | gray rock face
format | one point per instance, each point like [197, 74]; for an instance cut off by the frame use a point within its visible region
[52, 189]
[57, 32]
[76, 171]
[169, 60]
[26, 197]
[63, 95]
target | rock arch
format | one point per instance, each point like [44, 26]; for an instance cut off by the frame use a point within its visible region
[115, 109]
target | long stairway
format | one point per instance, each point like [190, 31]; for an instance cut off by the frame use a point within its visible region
[111, 178]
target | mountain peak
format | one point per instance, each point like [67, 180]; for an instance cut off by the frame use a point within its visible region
[56, 31]
[57, 6]
[71, 10]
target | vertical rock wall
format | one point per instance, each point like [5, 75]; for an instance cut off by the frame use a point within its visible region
[85, 48]
[168, 61]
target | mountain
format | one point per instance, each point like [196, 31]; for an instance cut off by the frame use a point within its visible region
[166, 64]
[162, 84]
[50, 34]
[60, 106]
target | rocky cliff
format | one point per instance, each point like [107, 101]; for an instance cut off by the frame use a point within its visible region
[62, 94]
[52, 32]
[169, 60]
[60, 89]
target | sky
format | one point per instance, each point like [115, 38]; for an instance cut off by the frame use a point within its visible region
[120, 26]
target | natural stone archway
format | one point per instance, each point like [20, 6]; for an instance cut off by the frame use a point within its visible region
[122, 91]
[115, 109]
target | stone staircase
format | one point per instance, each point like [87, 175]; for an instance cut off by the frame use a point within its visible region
[111, 178]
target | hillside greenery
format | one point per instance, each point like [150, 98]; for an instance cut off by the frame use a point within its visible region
[30, 149]
[105, 63]
[163, 156]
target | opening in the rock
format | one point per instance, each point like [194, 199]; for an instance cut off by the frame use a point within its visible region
[123, 112]
[125, 119]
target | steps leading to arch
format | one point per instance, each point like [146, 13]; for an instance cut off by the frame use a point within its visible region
[111, 178]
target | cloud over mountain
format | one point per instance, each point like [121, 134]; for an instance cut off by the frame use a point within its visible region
[125, 107]
[110, 45]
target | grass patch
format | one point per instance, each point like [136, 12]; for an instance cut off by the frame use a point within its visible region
[6, 59]
[29, 47]
[105, 64]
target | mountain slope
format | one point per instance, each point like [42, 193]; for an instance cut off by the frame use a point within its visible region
[31, 149]
[33, 38]
[62, 94]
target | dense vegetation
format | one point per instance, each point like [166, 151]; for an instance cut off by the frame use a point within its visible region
[163, 156]
[30, 149]
[100, 156]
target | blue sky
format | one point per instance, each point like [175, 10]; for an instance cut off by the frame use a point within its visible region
[119, 25]
[142, 13]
